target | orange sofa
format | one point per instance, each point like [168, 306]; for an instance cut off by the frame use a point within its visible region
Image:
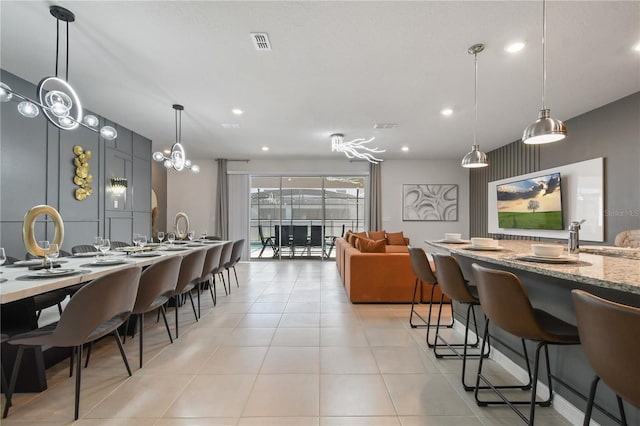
[379, 277]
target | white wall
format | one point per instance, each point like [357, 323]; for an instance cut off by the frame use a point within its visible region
[193, 194]
[395, 173]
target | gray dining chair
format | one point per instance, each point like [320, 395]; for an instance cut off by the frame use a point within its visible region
[190, 271]
[234, 258]
[211, 263]
[225, 257]
[96, 310]
[157, 285]
[83, 248]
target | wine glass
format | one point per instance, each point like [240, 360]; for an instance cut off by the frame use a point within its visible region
[204, 235]
[105, 246]
[190, 235]
[45, 246]
[142, 241]
[136, 239]
[3, 256]
[171, 237]
[160, 236]
[52, 253]
[97, 242]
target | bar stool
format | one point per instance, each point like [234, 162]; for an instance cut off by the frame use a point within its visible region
[453, 285]
[610, 335]
[422, 270]
[506, 304]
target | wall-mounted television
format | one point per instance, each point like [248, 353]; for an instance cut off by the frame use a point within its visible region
[534, 203]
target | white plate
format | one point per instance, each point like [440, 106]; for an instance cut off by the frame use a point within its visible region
[108, 262]
[544, 259]
[146, 254]
[453, 241]
[87, 254]
[174, 249]
[45, 273]
[479, 248]
[30, 262]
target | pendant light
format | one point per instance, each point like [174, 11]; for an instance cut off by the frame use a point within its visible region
[545, 129]
[57, 99]
[475, 158]
[177, 159]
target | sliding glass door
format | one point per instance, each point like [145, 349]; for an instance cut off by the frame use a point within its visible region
[299, 217]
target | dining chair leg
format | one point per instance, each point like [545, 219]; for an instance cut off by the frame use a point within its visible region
[141, 320]
[166, 323]
[78, 381]
[71, 357]
[175, 298]
[86, 363]
[3, 383]
[236, 274]
[211, 287]
[229, 279]
[226, 293]
[12, 382]
[193, 305]
[124, 356]
[198, 292]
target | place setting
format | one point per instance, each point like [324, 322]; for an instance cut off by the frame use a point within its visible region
[484, 244]
[548, 253]
[452, 238]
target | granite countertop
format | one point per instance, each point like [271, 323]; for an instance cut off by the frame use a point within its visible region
[618, 273]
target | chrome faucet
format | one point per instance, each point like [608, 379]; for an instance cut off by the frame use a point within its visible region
[573, 246]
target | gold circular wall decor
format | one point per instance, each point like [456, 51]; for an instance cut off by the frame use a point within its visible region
[28, 232]
[82, 177]
[182, 234]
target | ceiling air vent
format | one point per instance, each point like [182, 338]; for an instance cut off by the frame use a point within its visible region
[261, 41]
[385, 126]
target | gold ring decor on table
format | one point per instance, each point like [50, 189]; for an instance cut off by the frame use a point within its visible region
[181, 234]
[82, 177]
[28, 232]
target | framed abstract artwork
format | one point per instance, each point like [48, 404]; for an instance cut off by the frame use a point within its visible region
[430, 202]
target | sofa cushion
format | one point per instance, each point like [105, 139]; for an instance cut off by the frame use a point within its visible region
[372, 246]
[396, 239]
[376, 235]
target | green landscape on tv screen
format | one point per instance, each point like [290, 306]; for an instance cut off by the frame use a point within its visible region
[534, 203]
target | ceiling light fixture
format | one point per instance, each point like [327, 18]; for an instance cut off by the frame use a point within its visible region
[637, 47]
[237, 111]
[405, 149]
[265, 148]
[56, 98]
[446, 112]
[475, 158]
[514, 47]
[352, 149]
[176, 159]
[545, 129]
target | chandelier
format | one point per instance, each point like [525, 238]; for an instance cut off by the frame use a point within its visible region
[356, 148]
[56, 98]
[176, 159]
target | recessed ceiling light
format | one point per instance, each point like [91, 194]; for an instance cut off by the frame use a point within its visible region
[405, 148]
[237, 111]
[265, 148]
[637, 47]
[446, 112]
[514, 47]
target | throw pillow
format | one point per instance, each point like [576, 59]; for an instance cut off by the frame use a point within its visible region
[352, 239]
[376, 235]
[371, 246]
[362, 234]
[395, 239]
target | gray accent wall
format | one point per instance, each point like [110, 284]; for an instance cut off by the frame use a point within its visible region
[611, 132]
[36, 160]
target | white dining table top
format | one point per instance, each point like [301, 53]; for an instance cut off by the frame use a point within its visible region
[21, 282]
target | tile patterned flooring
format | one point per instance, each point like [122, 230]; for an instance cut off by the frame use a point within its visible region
[286, 348]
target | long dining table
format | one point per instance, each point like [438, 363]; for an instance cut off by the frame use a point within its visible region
[19, 285]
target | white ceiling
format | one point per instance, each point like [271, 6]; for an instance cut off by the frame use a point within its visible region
[335, 67]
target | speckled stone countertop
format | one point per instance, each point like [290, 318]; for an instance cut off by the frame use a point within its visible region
[618, 273]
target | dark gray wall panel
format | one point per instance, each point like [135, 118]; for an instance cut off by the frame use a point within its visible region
[23, 156]
[124, 141]
[141, 147]
[159, 184]
[120, 228]
[141, 181]
[80, 232]
[142, 223]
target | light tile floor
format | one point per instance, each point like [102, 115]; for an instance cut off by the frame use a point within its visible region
[286, 348]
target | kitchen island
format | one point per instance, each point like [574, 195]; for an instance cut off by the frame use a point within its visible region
[549, 288]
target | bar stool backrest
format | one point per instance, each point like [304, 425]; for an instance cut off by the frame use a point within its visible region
[610, 336]
[505, 302]
[451, 280]
[420, 265]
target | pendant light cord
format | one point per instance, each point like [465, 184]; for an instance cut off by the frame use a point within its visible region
[475, 97]
[57, 43]
[66, 70]
[544, 51]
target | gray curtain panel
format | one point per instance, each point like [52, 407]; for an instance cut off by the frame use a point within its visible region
[375, 197]
[222, 202]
